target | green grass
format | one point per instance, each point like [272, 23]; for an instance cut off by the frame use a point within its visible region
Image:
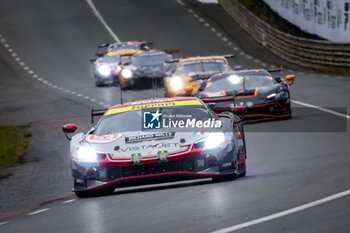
[13, 142]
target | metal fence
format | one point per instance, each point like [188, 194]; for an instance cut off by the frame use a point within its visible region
[303, 52]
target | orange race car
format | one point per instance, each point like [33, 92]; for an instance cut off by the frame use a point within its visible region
[192, 73]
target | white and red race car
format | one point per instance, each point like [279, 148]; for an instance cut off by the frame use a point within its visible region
[155, 141]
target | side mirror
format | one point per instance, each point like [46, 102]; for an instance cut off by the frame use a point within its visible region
[93, 59]
[290, 78]
[237, 67]
[69, 128]
[99, 54]
[171, 51]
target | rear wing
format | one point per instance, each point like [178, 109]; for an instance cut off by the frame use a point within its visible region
[97, 112]
[271, 70]
[173, 61]
[229, 55]
[105, 45]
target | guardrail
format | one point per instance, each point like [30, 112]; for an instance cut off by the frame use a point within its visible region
[303, 52]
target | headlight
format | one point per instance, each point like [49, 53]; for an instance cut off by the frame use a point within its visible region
[86, 154]
[126, 73]
[271, 96]
[104, 70]
[212, 141]
[176, 83]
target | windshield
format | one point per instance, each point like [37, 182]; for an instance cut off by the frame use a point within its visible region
[202, 66]
[112, 59]
[150, 59]
[233, 82]
[121, 122]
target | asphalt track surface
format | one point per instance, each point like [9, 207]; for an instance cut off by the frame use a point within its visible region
[46, 80]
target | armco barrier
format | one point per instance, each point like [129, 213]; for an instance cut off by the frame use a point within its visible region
[303, 52]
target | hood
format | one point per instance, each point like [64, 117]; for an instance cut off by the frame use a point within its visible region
[125, 144]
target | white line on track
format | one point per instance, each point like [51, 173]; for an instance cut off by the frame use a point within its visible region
[284, 213]
[69, 201]
[39, 211]
[180, 2]
[100, 18]
[321, 109]
[3, 223]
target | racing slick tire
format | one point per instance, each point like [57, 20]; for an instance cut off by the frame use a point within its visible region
[222, 178]
[242, 174]
[98, 84]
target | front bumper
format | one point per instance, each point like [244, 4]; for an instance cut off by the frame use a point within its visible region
[112, 79]
[90, 177]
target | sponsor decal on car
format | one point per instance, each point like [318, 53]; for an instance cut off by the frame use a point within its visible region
[102, 139]
[153, 105]
[161, 145]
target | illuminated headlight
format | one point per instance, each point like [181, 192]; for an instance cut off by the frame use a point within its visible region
[176, 83]
[86, 155]
[126, 73]
[212, 141]
[271, 96]
[104, 70]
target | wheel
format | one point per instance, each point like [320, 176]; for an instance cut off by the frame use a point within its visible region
[223, 178]
[242, 174]
[98, 84]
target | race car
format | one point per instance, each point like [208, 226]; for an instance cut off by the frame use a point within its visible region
[146, 68]
[192, 72]
[265, 96]
[107, 68]
[127, 48]
[139, 143]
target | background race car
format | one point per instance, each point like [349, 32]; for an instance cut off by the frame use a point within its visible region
[107, 68]
[265, 96]
[191, 73]
[116, 153]
[127, 47]
[145, 68]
